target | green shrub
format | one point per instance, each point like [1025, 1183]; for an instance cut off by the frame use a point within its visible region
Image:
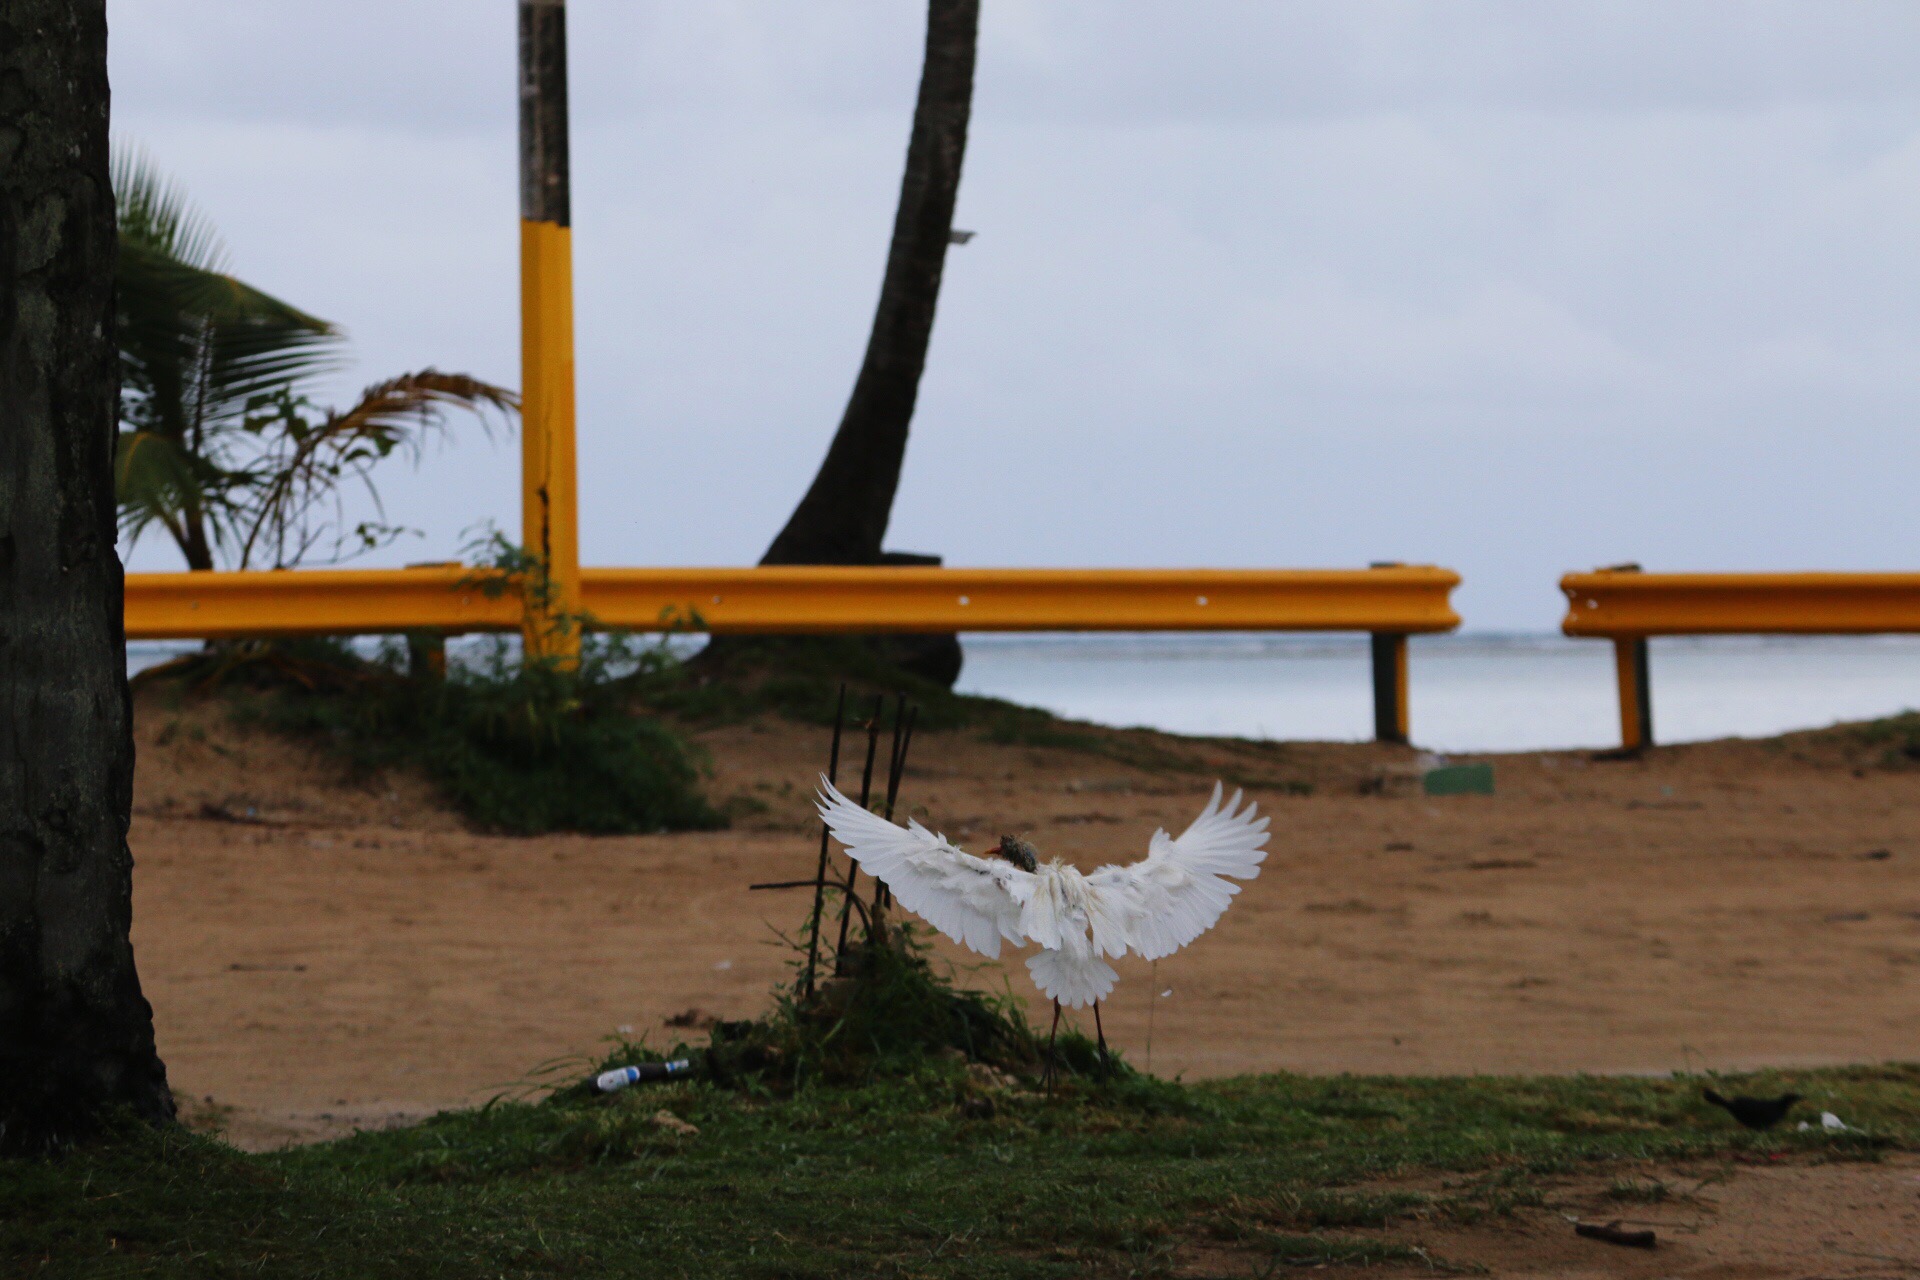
[517, 747]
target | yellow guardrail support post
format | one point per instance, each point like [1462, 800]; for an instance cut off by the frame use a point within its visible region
[1635, 680]
[549, 506]
[1392, 721]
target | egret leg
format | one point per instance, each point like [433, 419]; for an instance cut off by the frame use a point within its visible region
[1051, 1033]
[1106, 1064]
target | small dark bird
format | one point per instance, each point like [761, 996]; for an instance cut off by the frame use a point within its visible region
[1019, 853]
[1754, 1113]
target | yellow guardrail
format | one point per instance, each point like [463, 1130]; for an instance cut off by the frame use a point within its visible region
[1391, 602]
[809, 598]
[1627, 606]
[828, 598]
[294, 602]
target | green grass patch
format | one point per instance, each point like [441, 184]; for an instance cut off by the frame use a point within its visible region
[893, 1177]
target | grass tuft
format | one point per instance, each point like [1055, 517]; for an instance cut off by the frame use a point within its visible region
[887, 1012]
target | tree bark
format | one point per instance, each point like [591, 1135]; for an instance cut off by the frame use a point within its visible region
[76, 1035]
[844, 515]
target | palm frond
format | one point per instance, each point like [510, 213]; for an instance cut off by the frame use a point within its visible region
[298, 504]
[218, 445]
[157, 481]
[216, 339]
[149, 473]
[403, 409]
[154, 213]
[197, 347]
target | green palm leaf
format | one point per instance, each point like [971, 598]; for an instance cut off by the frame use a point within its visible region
[218, 446]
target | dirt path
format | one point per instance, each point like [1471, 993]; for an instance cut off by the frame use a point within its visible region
[321, 955]
[1718, 1221]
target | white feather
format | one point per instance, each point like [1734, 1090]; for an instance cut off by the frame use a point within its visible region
[1181, 886]
[974, 901]
[1074, 983]
[1152, 907]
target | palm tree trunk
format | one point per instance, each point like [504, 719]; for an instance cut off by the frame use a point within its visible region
[844, 515]
[76, 1035]
[193, 545]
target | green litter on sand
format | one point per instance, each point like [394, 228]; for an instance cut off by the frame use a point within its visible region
[1459, 780]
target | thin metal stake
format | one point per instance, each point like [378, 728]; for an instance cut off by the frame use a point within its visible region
[820, 874]
[893, 753]
[866, 792]
[897, 770]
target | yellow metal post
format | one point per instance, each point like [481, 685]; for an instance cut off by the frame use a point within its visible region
[549, 507]
[1636, 692]
[1391, 722]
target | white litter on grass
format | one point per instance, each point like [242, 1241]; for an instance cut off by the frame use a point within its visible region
[1830, 1122]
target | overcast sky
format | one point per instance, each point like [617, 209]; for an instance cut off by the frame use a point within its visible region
[1512, 287]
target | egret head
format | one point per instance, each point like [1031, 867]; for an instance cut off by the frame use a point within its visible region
[1019, 853]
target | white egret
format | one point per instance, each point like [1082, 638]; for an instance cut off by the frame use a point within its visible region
[1152, 907]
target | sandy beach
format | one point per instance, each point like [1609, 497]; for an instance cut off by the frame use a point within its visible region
[325, 952]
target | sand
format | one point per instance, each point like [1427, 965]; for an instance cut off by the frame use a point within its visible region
[326, 952]
[1728, 1220]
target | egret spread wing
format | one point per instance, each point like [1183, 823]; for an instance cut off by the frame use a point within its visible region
[1183, 884]
[974, 901]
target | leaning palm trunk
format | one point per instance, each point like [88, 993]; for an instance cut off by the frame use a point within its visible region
[843, 517]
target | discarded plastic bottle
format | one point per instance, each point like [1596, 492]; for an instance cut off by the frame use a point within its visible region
[620, 1077]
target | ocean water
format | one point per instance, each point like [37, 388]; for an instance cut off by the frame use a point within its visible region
[1467, 692]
